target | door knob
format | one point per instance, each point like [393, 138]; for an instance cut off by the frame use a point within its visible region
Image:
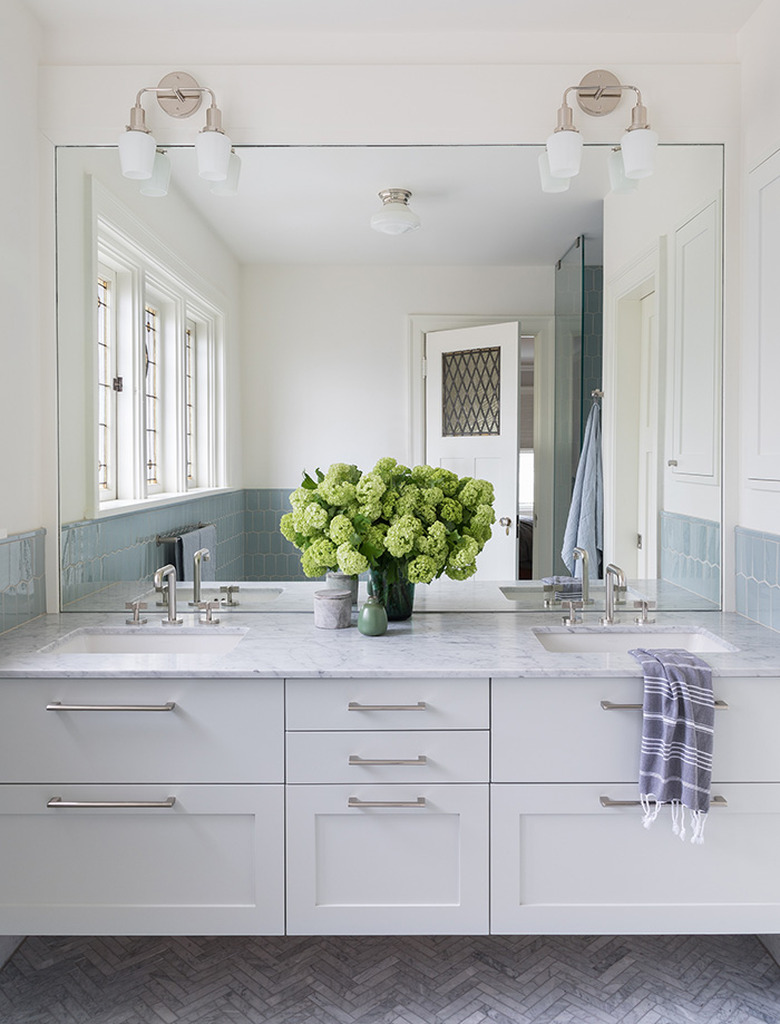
[506, 522]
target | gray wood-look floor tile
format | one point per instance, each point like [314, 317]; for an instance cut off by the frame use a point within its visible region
[406, 980]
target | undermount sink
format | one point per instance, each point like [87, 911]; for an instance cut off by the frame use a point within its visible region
[607, 639]
[174, 640]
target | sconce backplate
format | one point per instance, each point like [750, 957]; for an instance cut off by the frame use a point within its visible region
[182, 100]
[600, 96]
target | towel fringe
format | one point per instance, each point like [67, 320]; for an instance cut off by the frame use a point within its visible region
[698, 819]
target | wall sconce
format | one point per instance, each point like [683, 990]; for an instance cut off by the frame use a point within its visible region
[598, 94]
[395, 217]
[179, 95]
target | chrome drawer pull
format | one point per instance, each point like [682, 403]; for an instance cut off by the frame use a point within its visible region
[357, 802]
[58, 706]
[607, 705]
[356, 759]
[57, 801]
[605, 801]
[354, 706]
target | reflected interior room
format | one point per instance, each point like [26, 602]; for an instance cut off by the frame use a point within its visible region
[532, 247]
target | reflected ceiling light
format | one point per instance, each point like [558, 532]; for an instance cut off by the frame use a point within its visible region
[598, 94]
[228, 187]
[157, 184]
[395, 217]
[549, 183]
[179, 95]
[618, 182]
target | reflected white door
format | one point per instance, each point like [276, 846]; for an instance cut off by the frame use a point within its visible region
[647, 456]
[471, 401]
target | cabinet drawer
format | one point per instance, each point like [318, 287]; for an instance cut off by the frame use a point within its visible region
[564, 864]
[406, 860]
[210, 864]
[180, 730]
[409, 756]
[372, 704]
[556, 730]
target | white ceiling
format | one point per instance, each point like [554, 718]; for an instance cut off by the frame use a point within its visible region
[479, 205]
[400, 16]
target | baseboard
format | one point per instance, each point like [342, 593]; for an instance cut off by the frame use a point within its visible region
[772, 943]
[8, 946]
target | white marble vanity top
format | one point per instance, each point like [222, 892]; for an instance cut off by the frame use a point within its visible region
[432, 643]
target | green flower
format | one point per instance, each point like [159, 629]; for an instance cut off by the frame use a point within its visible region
[421, 569]
[370, 488]
[451, 510]
[341, 529]
[401, 535]
[461, 574]
[350, 560]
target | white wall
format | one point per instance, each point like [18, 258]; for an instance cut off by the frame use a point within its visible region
[326, 356]
[758, 509]
[27, 421]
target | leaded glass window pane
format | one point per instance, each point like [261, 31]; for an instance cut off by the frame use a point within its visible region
[471, 392]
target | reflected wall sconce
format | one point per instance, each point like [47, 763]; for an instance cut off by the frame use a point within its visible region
[598, 94]
[396, 216]
[179, 95]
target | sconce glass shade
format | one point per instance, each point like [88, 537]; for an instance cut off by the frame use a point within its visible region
[638, 149]
[564, 153]
[212, 149]
[228, 187]
[136, 154]
[618, 182]
[550, 184]
[395, 217]
[157, 185]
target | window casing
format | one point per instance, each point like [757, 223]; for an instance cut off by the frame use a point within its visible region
[160, 339]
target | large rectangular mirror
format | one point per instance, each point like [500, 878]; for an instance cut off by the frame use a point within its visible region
[213, 347]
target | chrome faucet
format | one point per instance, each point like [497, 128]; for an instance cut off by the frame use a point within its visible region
[201, 555]
[165, 577]
[583, 554]
[612, 574]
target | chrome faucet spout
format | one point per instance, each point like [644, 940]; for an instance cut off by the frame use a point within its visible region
[165, 578]
[581, 553]
[202, 554]
[612, 574]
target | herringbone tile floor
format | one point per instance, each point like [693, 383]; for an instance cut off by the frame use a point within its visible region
[367, 980]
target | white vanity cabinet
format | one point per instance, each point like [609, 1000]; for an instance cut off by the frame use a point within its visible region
[142, 806]
[569, 853]
[387, 806]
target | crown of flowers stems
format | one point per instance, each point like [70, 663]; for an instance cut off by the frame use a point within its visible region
[416, 523]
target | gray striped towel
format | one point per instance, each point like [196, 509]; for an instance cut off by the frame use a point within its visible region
[678, 717]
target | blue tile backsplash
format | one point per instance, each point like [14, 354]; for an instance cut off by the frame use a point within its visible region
[22, 578]
[690, 554]
[758, 576]
[98, 552]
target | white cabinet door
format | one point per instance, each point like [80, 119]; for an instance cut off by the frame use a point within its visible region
[406, 860]
[562, 863]
[210, 864]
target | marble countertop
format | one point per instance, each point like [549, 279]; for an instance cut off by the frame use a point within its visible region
[452, 640]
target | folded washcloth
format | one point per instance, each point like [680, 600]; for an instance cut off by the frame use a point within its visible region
[678, 717]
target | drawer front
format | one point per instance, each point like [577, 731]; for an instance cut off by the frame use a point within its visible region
[373, 704]
[410, 756]
[561, 863]
[211, 862]
[558, 730]
[142, 730]
[405, 860]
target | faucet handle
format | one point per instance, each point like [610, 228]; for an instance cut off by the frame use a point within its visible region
[571, 619]
[136, 607]
[645, 605]
[230, 590]
[208, 607]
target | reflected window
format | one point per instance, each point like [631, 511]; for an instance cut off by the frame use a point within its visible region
[471, 392]
[106, 394]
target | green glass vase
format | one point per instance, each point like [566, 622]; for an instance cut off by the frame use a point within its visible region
[394, 591]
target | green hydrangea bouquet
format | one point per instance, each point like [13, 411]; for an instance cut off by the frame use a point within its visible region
[412, 524]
